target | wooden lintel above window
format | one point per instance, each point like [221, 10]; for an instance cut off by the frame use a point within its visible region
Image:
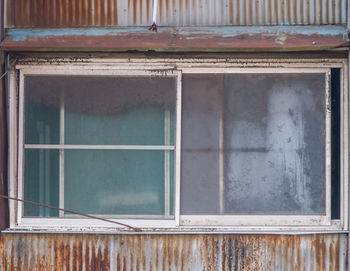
[174, 39]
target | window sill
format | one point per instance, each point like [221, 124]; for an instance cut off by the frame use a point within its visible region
[169, 231]
[335, 227]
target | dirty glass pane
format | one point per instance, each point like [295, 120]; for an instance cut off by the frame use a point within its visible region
[41, 181]
[41, 104]
[274, 130]
[201, 105]
[116, 182]
[119, 110]
[272, 142]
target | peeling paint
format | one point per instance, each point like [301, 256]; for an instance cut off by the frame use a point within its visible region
[281, 39]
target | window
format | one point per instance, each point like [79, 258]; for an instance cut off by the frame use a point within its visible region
[172, 144]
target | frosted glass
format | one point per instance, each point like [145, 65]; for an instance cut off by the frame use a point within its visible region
[269, 132]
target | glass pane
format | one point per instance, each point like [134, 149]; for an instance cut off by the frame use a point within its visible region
[119, 110]
[200, 144]
[274, 144]
[272, 137]
[124, 182]
[42, 103]
[41, 181]
[100, 110]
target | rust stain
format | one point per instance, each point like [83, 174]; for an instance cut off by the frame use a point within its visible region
[103, 13]
[249, 12]
[80, 12]
[140, 11]
[51, 10]
[230, 11]
[83, 15]
[288, 18]
[108, 12]
[169, 252]
[294, 12]
[331, 257]
[67, 13]
[95, 15]
[337, 253]
[244, 12]
[160, 3]
[115, 12]
[27, 12]
[100, 12]
[45, 19]
[319, 13]
[167, 7]
[148, 10]
[89, 13]
[16, 17]
[71, 6]
[54, 13]
[134, 6]
[254, 20]
[274, 2]
[300, 12]
[77, 12]
[296, 248]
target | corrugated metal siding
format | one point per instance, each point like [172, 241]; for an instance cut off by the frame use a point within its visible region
[84, 13]
[172, 252]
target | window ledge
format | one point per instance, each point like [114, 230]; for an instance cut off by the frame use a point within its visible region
[169, 231]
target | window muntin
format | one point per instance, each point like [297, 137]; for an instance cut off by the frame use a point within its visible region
[231, 221]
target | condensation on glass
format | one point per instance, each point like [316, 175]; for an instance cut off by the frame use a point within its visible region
[102, 116]
[253, 144]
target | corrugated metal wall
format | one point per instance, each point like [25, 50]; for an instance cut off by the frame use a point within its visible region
[172, 252]
[84, 13]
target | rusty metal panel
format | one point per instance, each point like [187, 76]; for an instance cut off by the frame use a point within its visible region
[21, 251]
[87, 13]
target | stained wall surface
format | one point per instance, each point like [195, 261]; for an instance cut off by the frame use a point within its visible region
[50, 251]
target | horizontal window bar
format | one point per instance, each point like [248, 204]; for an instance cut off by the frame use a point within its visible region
[119, 216]
[98, 147]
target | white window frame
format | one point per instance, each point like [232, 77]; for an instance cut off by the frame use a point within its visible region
[177, 67]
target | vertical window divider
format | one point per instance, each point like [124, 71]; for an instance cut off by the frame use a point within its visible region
[344, 145]
[167, 163]
[47, 170]
[61, 157]
[41, 170]
[18, 93]
[221, 148]
[328, 115]
[177, 154]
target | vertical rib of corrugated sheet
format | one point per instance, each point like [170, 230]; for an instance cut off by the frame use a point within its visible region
[62, 13]
[172, 252]
[87, 13]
